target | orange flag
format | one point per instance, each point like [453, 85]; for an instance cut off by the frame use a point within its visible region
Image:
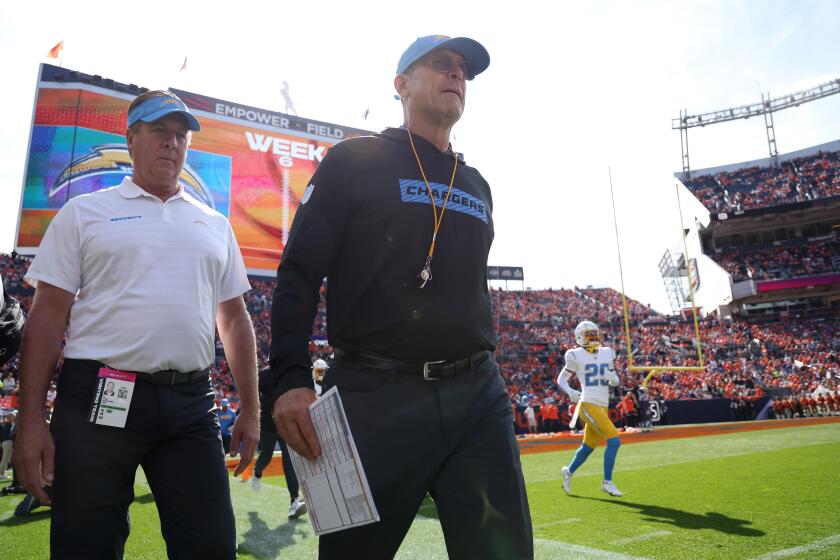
[56, 50]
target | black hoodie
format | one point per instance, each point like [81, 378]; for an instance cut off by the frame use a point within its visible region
[365, 223]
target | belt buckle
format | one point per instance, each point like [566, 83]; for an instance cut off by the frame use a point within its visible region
[426, 371]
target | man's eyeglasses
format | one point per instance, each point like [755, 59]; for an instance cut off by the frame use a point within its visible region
[448, 65]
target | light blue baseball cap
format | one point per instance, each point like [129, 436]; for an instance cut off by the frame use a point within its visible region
[475, 55]
[159, 106]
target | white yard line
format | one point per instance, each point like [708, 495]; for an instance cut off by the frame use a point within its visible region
[637, 538]
[822, 543]
[567, 551]
[560, 522]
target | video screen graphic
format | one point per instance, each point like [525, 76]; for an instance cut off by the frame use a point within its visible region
[249, 164]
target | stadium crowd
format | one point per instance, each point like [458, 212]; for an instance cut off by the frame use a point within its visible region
[800, 259]
[744, 360]
[798, 180]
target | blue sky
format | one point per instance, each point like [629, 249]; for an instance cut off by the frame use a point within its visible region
[572, 88]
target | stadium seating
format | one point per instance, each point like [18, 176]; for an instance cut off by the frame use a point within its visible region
[798, 180]
[742, 359]
[798, 258]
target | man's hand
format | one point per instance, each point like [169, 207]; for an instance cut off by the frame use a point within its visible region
[612, 377]
[33, 457]
[245, 435]
[291, 416]
[574, 396]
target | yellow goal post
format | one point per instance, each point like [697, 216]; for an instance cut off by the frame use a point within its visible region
[655, 370]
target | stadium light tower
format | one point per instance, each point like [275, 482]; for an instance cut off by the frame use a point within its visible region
[675, 277]
[766, 108]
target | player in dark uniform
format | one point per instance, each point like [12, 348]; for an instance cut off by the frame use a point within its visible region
[401, 227]
[268, 439]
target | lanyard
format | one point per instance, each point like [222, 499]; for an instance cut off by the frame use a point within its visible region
[425, 273]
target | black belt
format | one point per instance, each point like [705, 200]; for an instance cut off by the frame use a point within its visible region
[173, 377]
[162, 377]
[430, 371]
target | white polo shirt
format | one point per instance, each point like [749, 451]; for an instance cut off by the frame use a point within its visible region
[148, 275]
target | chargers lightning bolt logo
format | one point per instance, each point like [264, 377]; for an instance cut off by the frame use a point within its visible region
[114, 159]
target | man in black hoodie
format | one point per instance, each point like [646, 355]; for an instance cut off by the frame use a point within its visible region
[401, 227]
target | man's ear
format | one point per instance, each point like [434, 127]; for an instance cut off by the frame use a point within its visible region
[400, 85]
[129, 140]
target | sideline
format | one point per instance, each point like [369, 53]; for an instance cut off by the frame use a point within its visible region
[561, 441]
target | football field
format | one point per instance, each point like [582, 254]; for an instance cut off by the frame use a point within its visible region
[763, 494]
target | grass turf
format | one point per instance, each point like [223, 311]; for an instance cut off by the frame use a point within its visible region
[764, 494]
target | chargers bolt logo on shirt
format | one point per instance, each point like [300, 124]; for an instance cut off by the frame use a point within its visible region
[307, 193]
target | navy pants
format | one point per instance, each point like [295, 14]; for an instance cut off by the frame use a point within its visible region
[173, 434]
[268, 438]
[451, 438]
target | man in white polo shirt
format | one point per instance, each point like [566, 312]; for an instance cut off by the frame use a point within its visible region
[144, 273]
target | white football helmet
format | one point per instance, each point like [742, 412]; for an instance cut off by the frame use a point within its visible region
[318, 369]
[588, 335]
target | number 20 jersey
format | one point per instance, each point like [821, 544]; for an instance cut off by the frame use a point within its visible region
[591, 369]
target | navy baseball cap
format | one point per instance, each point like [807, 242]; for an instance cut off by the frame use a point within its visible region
[475, 55]
[159, 106]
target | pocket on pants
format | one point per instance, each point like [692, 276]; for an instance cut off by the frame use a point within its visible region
[355, 379]
[76, 388]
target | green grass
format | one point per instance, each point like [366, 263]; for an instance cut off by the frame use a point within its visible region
[743, 495]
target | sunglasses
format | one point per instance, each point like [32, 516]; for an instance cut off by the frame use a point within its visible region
[447, 65]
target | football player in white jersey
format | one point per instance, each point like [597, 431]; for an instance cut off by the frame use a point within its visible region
[594, 367]
[318, 369]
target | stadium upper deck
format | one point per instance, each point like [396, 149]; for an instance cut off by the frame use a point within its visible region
[803, 176]
[773, 231]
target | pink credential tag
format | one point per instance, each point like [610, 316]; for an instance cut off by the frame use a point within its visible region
[117, 374]
[112, 398]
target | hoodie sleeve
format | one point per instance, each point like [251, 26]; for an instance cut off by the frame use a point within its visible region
[312, 245]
